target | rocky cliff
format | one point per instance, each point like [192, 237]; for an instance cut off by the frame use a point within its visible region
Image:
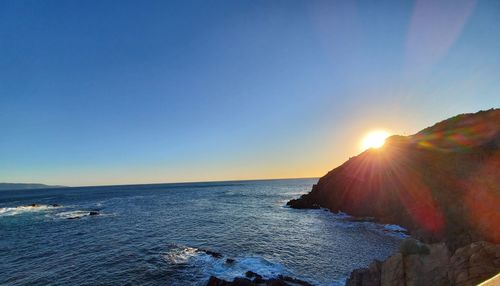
[468, 265]
[442, 184]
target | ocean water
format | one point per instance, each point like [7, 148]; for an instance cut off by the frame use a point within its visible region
[159, 235]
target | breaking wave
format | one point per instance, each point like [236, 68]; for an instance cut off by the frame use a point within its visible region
[214, 264]
[12, 211]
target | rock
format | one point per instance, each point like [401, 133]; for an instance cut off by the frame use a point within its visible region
[254, 279]
[429, 183]
[427, 268]
[214, 281]
[294, 281]
[393, 271]
[474, 263]
[303, 203]
[469, 265]
[254, 276]
[242, 282]
[212, 253]
[93, 213]
[370, 276]
[412, 246]
[230, 261]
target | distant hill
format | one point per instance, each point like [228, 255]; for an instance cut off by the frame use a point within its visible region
[23, 186]
[442, 183]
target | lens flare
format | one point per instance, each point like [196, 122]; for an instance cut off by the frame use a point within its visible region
[374, 139]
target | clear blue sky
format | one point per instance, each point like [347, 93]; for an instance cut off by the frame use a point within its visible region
[111, 92]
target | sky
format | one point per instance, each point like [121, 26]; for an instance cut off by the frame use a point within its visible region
[121, 92]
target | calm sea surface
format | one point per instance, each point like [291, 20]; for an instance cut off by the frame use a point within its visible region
[157, 234]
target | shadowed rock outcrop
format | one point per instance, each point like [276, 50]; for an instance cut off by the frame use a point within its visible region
[254, 279]
[468, 266]
[443, 185]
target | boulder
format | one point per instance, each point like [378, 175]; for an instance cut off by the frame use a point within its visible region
[366, 276]
[468, 265]
[254, 279]
[474, 263]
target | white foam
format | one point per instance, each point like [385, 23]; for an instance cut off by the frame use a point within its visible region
[241, 265]
[394, 227]
[219, 267]
[11, 211]
[182, 255]
[73, 214]
[342, 215]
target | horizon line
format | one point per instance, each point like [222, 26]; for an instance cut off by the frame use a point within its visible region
[162, 183]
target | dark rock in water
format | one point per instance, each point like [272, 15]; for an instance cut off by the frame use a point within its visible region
[55, 205]
[230, 261]
[214, 281]
[212, 253]
[294, 281]
[304, 202]
[90, 213]
[251, 274]
[254, 279]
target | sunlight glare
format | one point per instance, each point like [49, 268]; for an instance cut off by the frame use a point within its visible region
[374, 139]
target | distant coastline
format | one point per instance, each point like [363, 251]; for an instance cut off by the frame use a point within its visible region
[26, 186]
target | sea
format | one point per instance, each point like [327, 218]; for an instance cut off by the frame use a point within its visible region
[180, 234]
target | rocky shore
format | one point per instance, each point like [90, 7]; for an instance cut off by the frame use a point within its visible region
[254, 279]
[441, 184]
[468, 265]
[251, 278]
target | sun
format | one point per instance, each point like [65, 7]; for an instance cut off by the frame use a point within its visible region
[374, 139]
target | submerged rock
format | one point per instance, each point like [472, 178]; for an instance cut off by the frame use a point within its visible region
[254, 279]
[211, 253]
[81, 214]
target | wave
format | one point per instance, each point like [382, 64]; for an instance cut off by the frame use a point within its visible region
[346, 221]
[76, 214]
[395, 228]
[11, 211]
[214, 264]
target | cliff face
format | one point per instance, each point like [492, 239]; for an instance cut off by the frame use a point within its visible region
[469, 265]
[442, 184]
